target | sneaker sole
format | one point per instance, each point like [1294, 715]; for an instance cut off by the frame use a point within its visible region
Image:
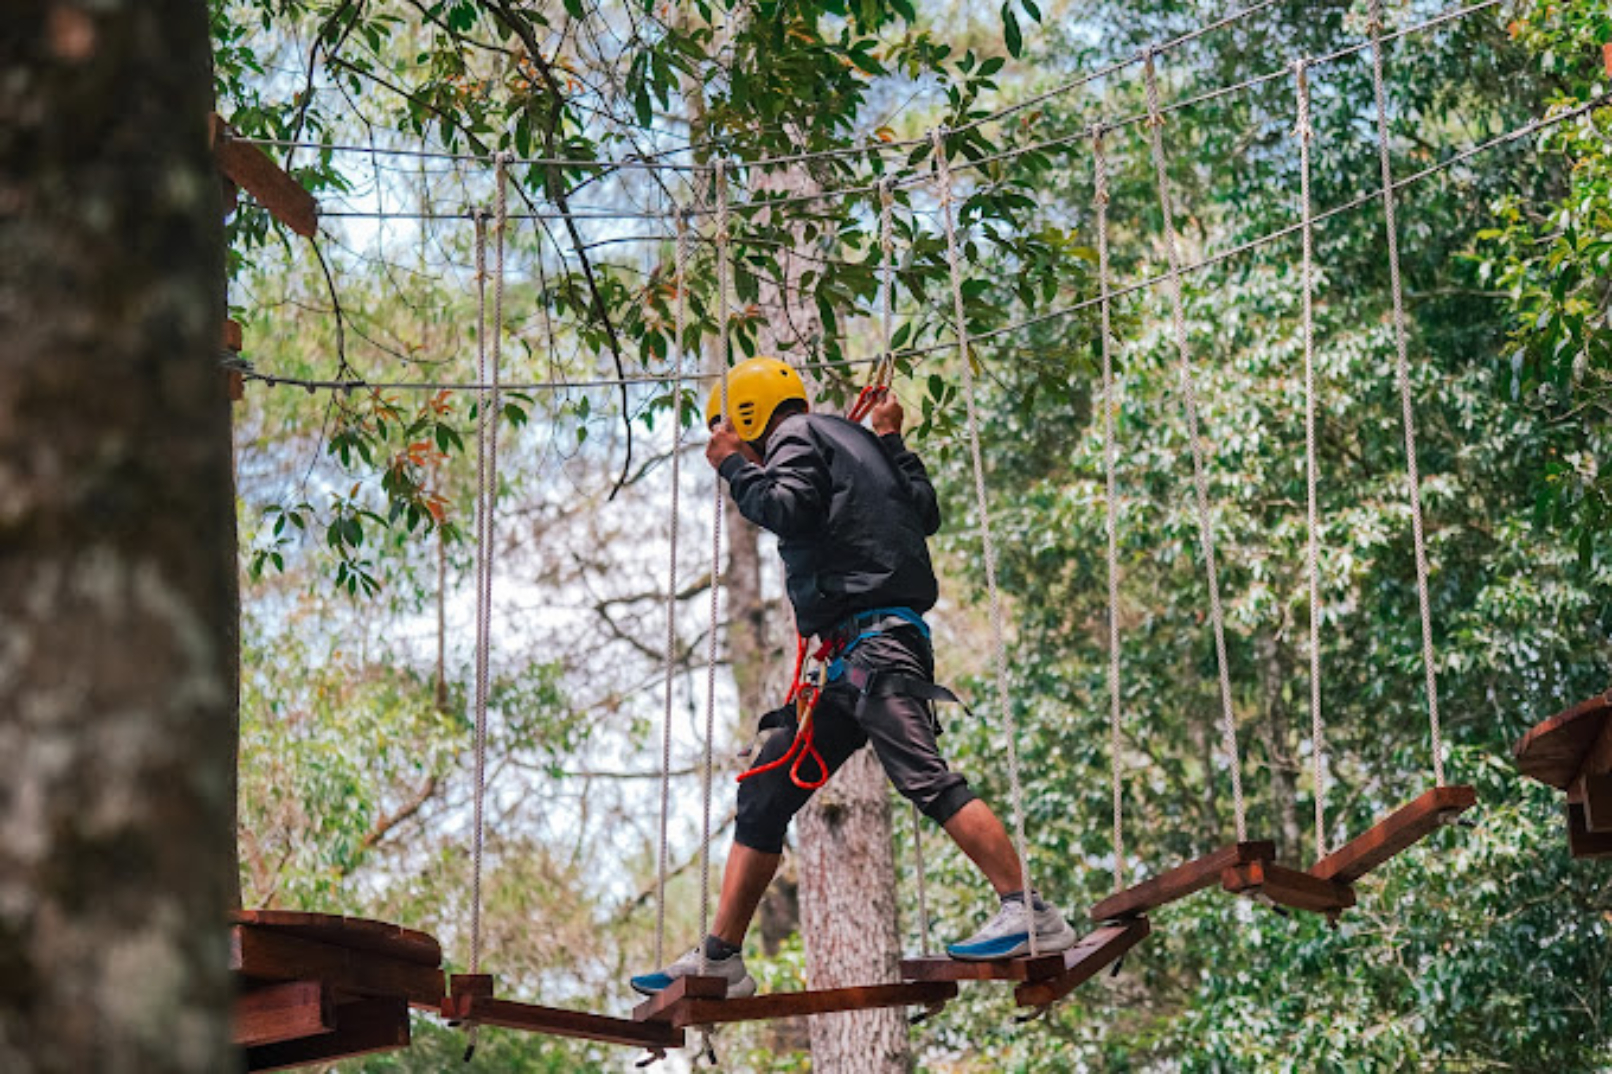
[1047, 945]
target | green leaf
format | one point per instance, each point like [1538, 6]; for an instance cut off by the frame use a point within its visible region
[1011, 36]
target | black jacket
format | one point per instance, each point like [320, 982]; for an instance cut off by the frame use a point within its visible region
[851, 511]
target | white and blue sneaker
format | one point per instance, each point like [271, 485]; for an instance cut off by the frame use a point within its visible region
[730, 969]
[1007, 934]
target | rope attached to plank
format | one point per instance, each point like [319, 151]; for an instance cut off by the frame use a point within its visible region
[680, 283]
[982, 504]
[1111, 405]
[1407, 405]
[1200, 478]
[488, 405]
[723, 271]
[1305, 134]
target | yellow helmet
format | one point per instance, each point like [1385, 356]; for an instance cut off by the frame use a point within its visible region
[755, 388]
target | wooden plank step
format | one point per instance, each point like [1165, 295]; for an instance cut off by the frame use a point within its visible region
[271, 955]
[1291, 888]
[362, 1028]
[287, 1010]
[1401, 829]
[656, 1007]
[941, 968]
[1181, 881]
[1574, 742]
[558, 1022]
[357, 933]
[704, 1012]
[1097, 950]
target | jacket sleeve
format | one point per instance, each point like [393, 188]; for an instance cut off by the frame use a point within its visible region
[912, 468]
[790, 494]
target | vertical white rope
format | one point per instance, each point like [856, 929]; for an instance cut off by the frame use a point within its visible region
[1189, 392]
[723, 268]
[1111, 405]
[1312, 552]
[982, 504]
[479, 697]
[887, 279]
[487, 492]
[680, 283]
[1407, 404]
[882, 373]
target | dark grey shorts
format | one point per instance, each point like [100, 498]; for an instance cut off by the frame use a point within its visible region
[901, 729]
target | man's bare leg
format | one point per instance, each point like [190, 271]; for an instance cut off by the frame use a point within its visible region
[744, 882]
[979, 834]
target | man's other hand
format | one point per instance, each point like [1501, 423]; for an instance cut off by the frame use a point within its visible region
[724, 442]
[886, 416]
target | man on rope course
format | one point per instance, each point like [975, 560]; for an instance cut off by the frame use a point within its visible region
[852, 509]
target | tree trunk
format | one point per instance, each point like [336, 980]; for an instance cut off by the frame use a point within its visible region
[115, 719]
[847, 872]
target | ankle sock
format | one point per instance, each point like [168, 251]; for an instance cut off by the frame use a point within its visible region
[716, 948]
[1018, 897]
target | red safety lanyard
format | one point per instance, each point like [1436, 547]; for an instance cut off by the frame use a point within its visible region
[805, 694]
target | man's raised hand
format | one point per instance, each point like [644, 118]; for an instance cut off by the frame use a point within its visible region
[886, 416]
[725, 441]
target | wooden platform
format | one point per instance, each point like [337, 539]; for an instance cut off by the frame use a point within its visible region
[1181, 881]
[472, 1001]
[1292, 889]
[941, 968]
[315, 987]
[1401, 829]
[1572, 751]
[1099, 949]
[695, 1011]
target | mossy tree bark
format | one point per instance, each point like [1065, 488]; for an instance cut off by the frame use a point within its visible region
[116, 720]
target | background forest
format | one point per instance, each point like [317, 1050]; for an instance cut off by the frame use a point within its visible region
[1483, 948]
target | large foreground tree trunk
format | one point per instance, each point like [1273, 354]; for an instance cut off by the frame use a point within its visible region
[115, 722]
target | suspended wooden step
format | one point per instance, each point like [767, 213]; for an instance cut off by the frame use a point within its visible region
[1181, 881]
[688, 1005]
[1292, 889]
[941, 968]
[1572, 751]
[1097, 950]
[471, 1000]
[1401, 829]
[317, 987]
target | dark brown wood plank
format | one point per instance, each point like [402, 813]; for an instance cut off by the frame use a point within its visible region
[266, 954]
[364, 1027]
[1401, 829]
[941, 968]
[1582, 842]
[703, 1012]
[257, 173]
[654, 1009]
[1554, 751]
[1181, 881]
[357, 933]
[557, 1022]
[1594, 793]
[1096, 951]
[233, 339]
[1288, 887]
[287, 1010]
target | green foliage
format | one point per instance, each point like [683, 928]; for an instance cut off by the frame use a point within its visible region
[1552, 257]
[1482, 947]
